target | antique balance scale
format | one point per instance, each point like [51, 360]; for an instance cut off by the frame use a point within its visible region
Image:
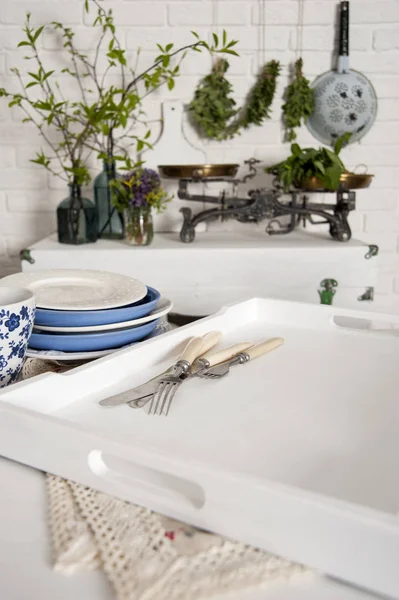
[260, 204]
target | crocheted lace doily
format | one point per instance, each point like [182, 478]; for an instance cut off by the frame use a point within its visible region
[147, 556]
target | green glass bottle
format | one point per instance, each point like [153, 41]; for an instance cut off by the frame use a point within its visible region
[77, 221]
[110, 222]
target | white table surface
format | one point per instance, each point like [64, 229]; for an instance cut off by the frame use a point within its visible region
[25, 560]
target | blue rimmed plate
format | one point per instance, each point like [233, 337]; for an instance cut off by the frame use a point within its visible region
[74, 358]
[85, 318]
[86, 342]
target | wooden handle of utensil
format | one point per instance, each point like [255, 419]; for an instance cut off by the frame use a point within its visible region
[214, 358]
[210, 340]
[192, 350]
[264, 347]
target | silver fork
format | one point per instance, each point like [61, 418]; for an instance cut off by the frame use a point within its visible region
[195, 347]
[168, 386]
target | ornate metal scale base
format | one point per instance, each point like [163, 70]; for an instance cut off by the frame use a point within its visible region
[260, 204]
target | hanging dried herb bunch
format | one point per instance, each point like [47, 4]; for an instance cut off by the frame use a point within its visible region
[212, 107]
[261, 96]
[214, 110]
[299, 102]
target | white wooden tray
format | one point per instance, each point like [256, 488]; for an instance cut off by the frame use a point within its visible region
[296, 452]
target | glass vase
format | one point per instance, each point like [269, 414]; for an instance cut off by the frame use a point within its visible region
[77, 220]
[110, 221]
[139, 229]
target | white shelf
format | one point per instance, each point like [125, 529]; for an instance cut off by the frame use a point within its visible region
[209, 241]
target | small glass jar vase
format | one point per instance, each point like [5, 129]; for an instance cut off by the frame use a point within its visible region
[110, 221]
[77, 220]
[139, 229]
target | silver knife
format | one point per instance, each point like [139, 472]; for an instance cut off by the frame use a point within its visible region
[193, 349]
[201, 364]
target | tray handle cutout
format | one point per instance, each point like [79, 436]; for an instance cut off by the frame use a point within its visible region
[365, 324]
[153, 482]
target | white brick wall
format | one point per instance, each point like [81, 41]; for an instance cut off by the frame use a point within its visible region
[28, 197]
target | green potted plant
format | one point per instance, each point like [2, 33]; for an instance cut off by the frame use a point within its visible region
[311, 168]
[136, 195]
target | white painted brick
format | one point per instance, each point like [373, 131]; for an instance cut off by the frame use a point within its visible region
[33, 200]
[370, 199]
[375, 63]
[14, 13]
[386, 39]
[133, 14]
[201, 13]
[10, 38]
[22, 179]
[377, 11]
[385, 133]
[14, 134]
[52, 60]
[200, 64]
[148, 37]
[7, 157]
[249, 39]
[85, 38]
[271, 134]
[29, 227]
[386, 86]
[379, 222]
[370, 155]
[3, 204]
[25, 154]
[388, 109]
[319, 13]
[276, 13]
[323, 38]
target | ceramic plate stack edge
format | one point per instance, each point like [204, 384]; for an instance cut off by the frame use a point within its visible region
[84, 314]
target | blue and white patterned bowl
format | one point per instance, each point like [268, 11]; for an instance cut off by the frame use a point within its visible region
[17, 314]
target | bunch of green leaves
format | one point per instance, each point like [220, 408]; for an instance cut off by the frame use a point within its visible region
[299, 102]
[304, 163]
[212, 107]
[261, 96]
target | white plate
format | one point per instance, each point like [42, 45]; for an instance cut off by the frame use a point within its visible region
[162, 327]
[70, 289]
[163, 308]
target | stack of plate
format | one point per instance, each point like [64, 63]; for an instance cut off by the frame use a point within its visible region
[85, 314]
